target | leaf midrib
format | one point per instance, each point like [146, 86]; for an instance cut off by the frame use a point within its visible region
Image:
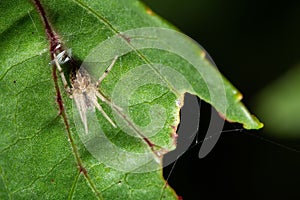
[74, 146]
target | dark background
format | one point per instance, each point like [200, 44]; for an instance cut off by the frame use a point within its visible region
[253, 43]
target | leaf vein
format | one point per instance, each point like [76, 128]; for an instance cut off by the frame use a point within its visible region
[12, 66]
[4, 182]
[72, 190]
[142, 56]
[150, 102]
[29, 137]
[42, 176]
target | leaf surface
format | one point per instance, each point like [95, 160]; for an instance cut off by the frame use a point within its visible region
[41, 153]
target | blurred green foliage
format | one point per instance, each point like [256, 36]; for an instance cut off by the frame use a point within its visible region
[279, 104]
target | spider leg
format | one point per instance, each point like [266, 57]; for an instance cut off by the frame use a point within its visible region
[105, 100]
[97, 105]
[106, 71]
[62, 75]
[81, 107]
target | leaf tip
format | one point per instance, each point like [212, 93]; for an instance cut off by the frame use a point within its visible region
[255, 124]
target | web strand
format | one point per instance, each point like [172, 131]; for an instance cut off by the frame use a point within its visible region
[197, 143]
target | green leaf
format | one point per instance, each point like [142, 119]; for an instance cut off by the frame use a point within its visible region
[279, 105]
[44, 150]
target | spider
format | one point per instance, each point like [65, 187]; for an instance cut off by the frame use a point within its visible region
[84, 92]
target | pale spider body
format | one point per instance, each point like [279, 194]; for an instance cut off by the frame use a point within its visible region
[84, 92]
